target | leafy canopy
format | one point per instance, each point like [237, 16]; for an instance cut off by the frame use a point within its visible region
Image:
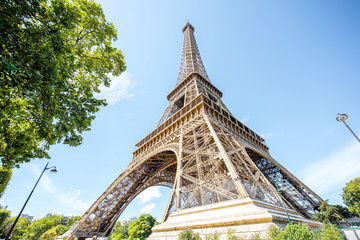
[141, 228]
[53, 232]
[54, 54]
[344, 211]
[46, 228]
[19, 229]
[351, 196]
[121, 230]
[71, 221]
[4, 214]
[39, 227]
[5, 176]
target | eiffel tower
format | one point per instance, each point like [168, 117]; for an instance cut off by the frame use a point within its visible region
[220, 171]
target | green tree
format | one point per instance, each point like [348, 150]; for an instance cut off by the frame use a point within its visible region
[344, 211]
[188, 234]
[71, 221]
[19, 229]
[351, 196]
[53, 232]
[141, 228]
[39, 227]
[121, 231]
[4, 214]
[327, 214]
[5, 176]
[58, 229]
[54, 56]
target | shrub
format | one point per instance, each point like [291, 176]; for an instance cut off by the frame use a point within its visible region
[230, 235]
[213, 236]
[329, 232]
[273, 232]
[188, 234]
[291, 232]
[255, 236]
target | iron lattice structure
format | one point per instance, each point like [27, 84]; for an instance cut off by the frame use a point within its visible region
[201, 151]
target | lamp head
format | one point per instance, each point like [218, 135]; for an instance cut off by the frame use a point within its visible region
[341, 117]
[53, 170]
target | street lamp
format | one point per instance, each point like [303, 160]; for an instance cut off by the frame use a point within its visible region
[53, 170]
[342, 118]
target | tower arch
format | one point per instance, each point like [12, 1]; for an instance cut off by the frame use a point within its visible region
[157, 169]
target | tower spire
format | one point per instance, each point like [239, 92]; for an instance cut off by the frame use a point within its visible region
[190, 58]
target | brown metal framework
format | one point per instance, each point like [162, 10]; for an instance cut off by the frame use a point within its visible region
[201, 151]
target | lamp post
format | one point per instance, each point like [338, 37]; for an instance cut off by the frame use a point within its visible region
[53, 170]
[341, 118]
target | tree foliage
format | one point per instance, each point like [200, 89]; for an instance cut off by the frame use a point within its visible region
[351, 196]
[53, 232]
[54, 56]
[19, 229]
[71, 221]
[39, 227]
[141, 228]
[5, 176]
[344, 211]
[4, 214]
[121, 230]
[43, 229]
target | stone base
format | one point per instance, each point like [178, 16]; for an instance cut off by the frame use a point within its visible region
[245, 216]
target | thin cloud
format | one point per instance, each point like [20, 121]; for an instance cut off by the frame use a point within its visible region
[45, 183]
[148, 194]
[120, 88]
[148, 208]
[72, 201]
[334, 171]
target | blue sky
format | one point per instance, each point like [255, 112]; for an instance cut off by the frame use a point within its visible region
[286, 68]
